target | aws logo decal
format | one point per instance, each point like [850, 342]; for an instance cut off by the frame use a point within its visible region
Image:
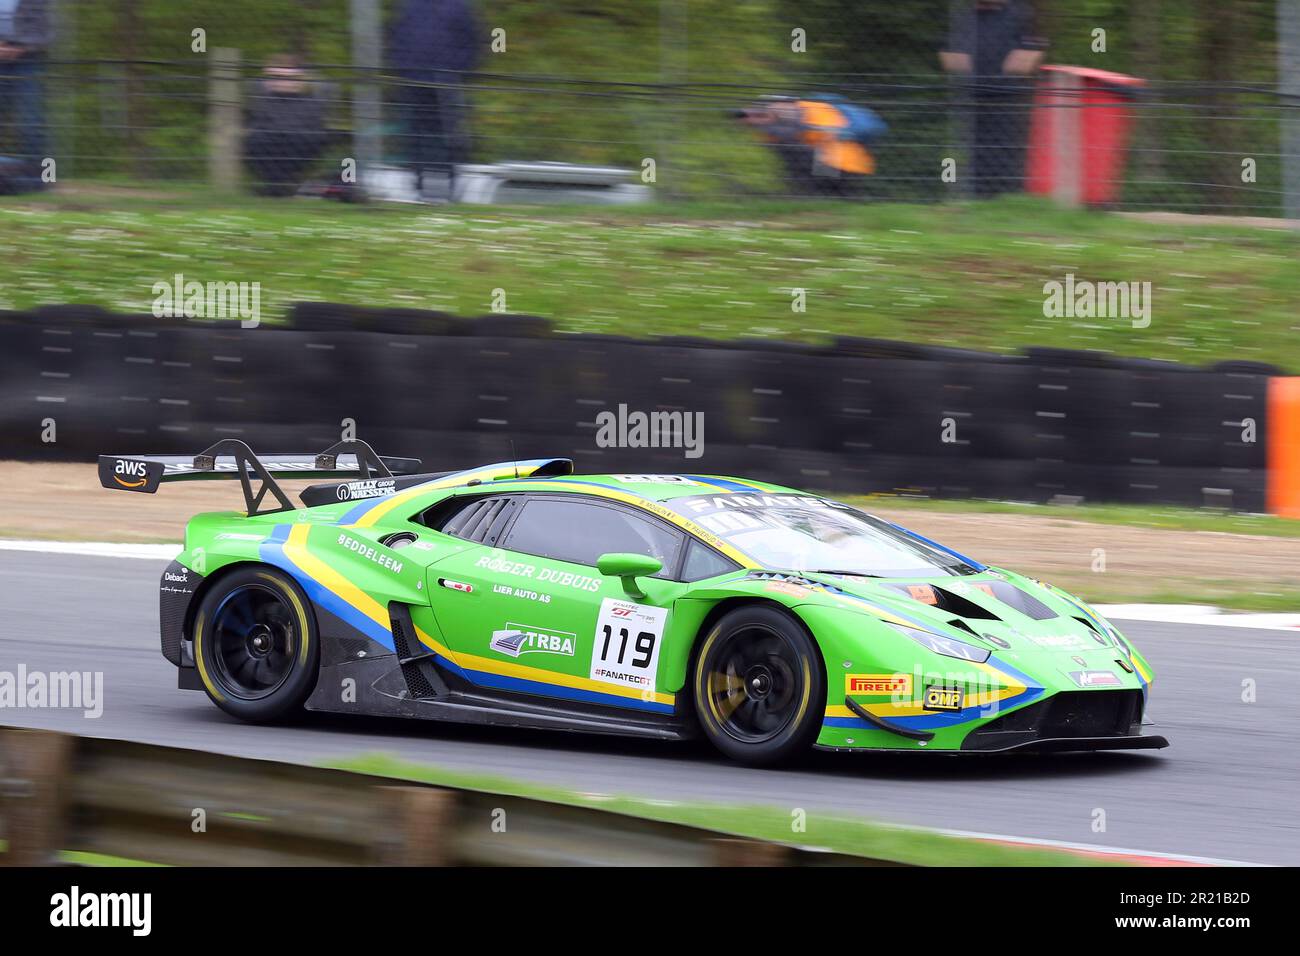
[136, 471]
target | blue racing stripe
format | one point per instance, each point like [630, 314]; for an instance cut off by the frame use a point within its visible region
[272, 552]
[540, 688]
[935, 544]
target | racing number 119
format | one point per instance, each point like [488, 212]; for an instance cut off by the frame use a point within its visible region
[629, 630]
[645, 645]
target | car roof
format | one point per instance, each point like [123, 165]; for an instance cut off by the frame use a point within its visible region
[658, 487]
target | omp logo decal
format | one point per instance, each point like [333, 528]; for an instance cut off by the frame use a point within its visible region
[878, 683]
[1013, 688]
[132, 469]
[943, 698]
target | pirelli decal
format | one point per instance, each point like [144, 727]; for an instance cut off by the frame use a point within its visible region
[891, 684]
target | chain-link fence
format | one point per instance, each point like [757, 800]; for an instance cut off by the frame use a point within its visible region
[1186, 104]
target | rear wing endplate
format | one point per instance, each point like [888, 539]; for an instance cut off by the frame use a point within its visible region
[233, 458]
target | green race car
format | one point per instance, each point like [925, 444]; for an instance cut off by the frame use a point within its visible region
[766, 619]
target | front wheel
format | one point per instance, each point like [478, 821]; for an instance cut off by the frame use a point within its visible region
[255, 644]
[759, 686]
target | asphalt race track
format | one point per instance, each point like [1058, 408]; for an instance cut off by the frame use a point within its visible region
[1226, 788]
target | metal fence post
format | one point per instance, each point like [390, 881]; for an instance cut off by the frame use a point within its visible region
[1288, 84]
[367, 61]
[225, 120]
[673, 56]
[422, 822]
[33, 765]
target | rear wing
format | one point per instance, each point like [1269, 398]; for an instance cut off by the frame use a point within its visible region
[232, 458]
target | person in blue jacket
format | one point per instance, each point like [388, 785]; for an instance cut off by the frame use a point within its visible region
[25, 34]
[994, 49]
[433, 45]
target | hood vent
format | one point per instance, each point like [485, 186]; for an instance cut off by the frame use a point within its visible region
[1001, 591]
[945, 600]
[963, 626]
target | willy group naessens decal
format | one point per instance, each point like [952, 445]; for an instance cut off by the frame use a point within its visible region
[766, 619]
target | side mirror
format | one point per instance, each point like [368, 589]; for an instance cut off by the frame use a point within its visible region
[629, 567]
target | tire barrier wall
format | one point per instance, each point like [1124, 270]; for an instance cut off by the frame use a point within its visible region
[860, 415]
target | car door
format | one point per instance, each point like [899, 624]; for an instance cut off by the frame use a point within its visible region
[528, 611]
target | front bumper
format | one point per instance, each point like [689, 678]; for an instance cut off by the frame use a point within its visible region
[1068, 720]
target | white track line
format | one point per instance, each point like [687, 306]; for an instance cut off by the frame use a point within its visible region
[1199, 614]
[95, 549]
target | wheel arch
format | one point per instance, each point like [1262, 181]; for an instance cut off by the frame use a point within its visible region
[721, 610]
[217, 576]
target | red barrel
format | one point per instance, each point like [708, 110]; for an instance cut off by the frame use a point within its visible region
[1078, 137]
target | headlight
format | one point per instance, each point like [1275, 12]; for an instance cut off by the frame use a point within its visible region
[946, 646]
[1115, 636]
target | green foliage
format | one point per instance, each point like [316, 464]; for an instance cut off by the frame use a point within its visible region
[148, 121]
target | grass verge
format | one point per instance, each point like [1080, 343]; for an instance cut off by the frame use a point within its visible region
[968, 275]
[828, 831]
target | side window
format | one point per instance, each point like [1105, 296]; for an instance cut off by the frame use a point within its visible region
[580, 532]
[481, 519]
[703, 562]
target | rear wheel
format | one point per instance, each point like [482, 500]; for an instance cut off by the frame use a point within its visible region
[255, 644]
[759, 686]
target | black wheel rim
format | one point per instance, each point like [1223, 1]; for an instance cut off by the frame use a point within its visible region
[253, 640]
[755, 684]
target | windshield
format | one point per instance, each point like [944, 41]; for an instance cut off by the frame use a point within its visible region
[803, 533]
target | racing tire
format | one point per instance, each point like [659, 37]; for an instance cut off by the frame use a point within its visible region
[256, 644]
[759, 686]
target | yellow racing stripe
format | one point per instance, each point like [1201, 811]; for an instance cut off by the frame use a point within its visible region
[910, 707]
[523, 672]
[295, 548]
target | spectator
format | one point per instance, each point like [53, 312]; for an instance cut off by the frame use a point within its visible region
[25, 34]
[285, 126]
[433, 45]
[992, 44]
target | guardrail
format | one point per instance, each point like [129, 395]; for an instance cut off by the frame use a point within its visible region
[143, 802]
